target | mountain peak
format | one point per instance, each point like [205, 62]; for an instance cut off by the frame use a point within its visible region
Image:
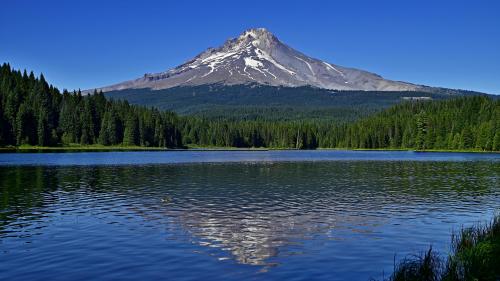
[257, 33]
[259, 38]
[257, 56]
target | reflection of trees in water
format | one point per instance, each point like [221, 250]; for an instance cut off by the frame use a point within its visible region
[29, 196]
[251, 210]
[24, 194]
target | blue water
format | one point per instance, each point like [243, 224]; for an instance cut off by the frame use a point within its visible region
[234, 215]
[175, 157]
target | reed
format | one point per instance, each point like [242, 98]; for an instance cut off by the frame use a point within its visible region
[475, 255]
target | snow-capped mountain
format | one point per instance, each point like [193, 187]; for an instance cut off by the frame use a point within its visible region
[257, 56]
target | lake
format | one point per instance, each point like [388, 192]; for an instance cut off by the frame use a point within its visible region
[234, 215]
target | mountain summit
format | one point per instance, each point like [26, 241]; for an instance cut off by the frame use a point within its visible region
[257, 56]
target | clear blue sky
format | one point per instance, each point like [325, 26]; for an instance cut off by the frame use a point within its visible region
[86, 44]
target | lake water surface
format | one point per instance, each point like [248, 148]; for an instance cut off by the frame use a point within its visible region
[234, 215]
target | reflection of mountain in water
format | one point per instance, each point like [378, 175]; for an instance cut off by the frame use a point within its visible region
[253, 211]
[256, 211]
[252, 234]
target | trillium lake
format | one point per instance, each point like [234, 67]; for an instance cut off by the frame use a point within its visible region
[234, 215]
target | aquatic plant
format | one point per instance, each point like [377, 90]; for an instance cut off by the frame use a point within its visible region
[475, 255]
[424, 267]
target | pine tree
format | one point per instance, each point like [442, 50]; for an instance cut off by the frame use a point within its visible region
[25, 125]
[104, 135]
[87, 120]
[42, 130]
[467, 139]
[484, 137]
[131, 134]
[496, 142]
[422, 130]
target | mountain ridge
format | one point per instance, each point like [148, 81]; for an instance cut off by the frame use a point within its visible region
[258, 56]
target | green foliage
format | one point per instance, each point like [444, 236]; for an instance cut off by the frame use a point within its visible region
[475, 256]
[422, 130]
[35, 113]
[461, 123]
[426, 267]
[131, 134]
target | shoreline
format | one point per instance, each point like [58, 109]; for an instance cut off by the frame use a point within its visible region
[101, 148]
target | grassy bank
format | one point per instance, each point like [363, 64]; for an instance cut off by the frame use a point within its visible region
[103, 148]
[475, 255]
[429, 150]
[98, 147]
[225, 148]
[93, 147]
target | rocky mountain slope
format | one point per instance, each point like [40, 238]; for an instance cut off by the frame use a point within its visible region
[257, 56]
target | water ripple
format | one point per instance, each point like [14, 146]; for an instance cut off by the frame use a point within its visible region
[332, 220]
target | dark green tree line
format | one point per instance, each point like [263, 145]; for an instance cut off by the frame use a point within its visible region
[463, 123]
[35, 113]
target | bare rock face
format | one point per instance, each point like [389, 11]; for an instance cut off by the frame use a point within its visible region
[257, 56]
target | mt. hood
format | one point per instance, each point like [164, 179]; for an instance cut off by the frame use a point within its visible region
[257, 56]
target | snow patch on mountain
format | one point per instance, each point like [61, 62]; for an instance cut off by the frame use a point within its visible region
[308, 65]
[252, 63]
[257, 56]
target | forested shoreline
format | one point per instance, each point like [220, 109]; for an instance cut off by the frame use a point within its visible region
[36, 113]
[32, 112]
